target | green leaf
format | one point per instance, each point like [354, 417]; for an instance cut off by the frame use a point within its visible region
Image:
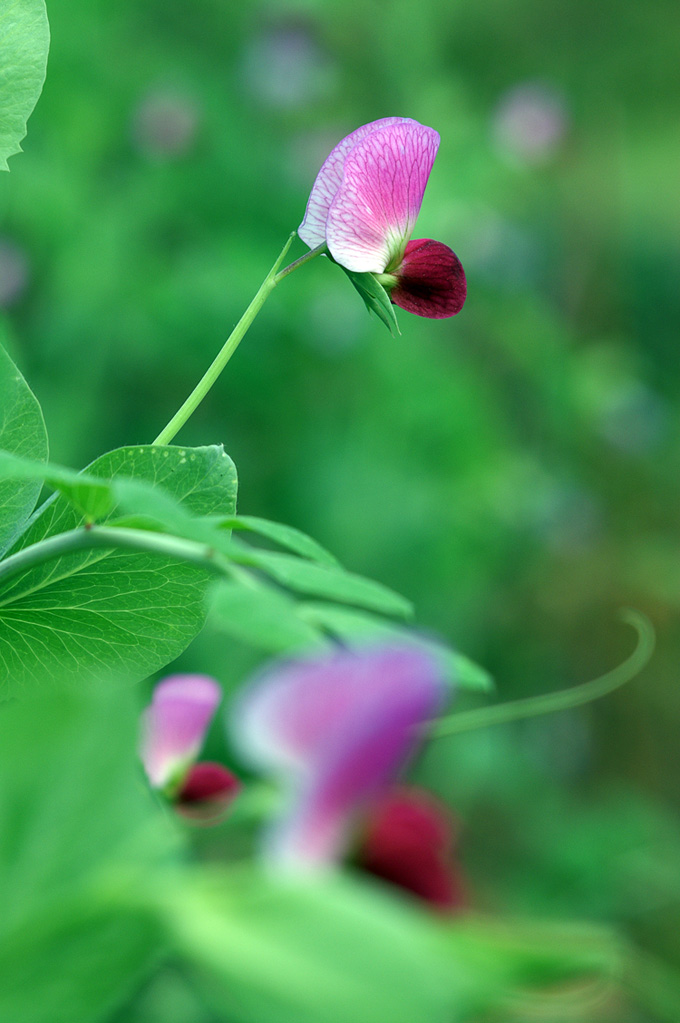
[77, 962]
[532, 964]
[329, 951]
[375, 298]
[100, 613]
[22, 432]
[80, 841]
[352, 626]
[24, 44]
[261, 616]
[328, 582]
[286, 536]
[317, 578]
[92, 498]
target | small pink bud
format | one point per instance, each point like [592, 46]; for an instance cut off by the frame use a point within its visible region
[174, 726]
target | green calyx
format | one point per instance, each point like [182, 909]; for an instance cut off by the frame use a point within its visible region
[388, 280]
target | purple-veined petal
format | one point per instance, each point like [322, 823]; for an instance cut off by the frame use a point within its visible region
[335, 730]
[174, 725]
[312, 230]
[376, 206]
[430, 281]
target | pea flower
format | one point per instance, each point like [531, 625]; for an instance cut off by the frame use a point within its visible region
[364, 205]
[174, 727]
[334, 729]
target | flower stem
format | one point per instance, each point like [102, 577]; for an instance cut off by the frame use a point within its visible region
[562, 700]
[231, 344]
[116, 538]
[320, 250]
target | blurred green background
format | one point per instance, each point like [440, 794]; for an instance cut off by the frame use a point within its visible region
[514, 471]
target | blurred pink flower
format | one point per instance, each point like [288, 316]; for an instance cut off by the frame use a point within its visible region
[165, 124]
[174, 727]
[364, 205]
[530, 123]
[14, 273]
[335, 729]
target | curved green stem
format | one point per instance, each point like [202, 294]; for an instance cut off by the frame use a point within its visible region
[88, 538]
[562, 700]
[231, 344]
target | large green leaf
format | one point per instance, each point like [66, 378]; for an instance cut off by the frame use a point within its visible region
[100, 613]
[247, 607]
[24, 43]
[80, 841]
[330, 951]
[321, 577]
[22, 432]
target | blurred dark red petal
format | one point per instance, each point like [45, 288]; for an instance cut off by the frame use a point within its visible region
[409, 843]
[430, 281]
[207, 792]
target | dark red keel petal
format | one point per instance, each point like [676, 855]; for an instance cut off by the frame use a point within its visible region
[430, 281]
[409, 843]
[207, 792]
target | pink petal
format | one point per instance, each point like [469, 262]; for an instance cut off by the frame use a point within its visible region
[175, 724]
[312, 230]
[376, 206]
[335, 729]
[431, 281]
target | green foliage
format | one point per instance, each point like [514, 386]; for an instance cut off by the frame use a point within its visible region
[307, 952]
[285, 536]
[24, 43]
[349, 625]
[80, 839]
[555, 971]
[102, 613]
[512, 471]
[22, 432]
[262, 617]
[327, 581]
[93, 580]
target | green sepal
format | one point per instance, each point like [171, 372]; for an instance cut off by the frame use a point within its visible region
[375, 298]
